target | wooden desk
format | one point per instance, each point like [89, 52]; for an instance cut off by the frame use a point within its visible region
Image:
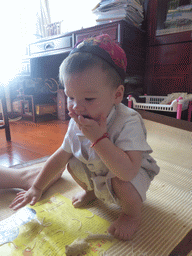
[26, 100]
[31, 109]
[47, 54]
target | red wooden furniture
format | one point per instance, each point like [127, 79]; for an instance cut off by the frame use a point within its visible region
[169, 49]
[47, 54]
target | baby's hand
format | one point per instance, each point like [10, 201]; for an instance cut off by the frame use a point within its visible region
[24, 197]
[92, 129]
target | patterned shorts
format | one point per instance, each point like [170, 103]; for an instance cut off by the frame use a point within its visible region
[102, 184]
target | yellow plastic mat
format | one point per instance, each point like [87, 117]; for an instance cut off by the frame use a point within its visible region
[52, 224]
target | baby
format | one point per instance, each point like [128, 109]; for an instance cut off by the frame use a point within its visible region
[105, 147]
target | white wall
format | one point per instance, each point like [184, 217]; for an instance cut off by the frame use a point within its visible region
[75, 14]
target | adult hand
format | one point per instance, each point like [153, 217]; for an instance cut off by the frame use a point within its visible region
[24, 197]
[92, 129]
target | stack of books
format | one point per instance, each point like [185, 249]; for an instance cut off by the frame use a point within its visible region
[111, 10]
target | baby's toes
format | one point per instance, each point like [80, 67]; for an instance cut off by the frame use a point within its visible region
[76, 203]
[112, 229]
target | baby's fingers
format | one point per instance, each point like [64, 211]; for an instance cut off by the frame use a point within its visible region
[34, 200]
[19, 202]
[74, 116]
[16, 200]
[21, 193]
[102, 121]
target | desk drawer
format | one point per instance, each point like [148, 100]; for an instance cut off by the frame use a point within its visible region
[112, 31]
[51, 45]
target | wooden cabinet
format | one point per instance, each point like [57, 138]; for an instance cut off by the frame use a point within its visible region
[46, 55]
[169, 49]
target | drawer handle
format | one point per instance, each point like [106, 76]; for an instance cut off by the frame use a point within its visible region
[49, 46]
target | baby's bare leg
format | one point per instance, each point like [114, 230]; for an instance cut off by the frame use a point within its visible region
[21, 178]
[82, 198]
[129, 220]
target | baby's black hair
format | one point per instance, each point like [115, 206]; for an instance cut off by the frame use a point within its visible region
[81, 61]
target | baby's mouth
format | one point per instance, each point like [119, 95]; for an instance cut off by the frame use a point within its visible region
[88, 117]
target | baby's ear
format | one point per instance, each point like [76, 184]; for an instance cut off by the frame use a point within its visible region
[119, 94]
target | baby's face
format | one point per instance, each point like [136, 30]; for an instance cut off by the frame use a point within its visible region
[89, 94]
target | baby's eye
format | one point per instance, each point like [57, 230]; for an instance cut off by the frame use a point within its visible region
[70, 98]
[89, 99]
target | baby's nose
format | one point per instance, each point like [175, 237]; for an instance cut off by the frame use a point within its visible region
[78, 106]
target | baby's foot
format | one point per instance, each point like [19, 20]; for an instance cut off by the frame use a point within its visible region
[124, 227]
[83, 198]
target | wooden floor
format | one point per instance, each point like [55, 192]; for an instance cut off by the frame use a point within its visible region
[30, 141]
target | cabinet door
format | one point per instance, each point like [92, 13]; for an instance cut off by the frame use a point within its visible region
[173, 17]
[172, 58]
[167, 85]
[168, 68]
[169, 21]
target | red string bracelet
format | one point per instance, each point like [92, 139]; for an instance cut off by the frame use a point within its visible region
[105, 135]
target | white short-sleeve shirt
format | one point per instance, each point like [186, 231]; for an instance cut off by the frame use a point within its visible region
[126, 130]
